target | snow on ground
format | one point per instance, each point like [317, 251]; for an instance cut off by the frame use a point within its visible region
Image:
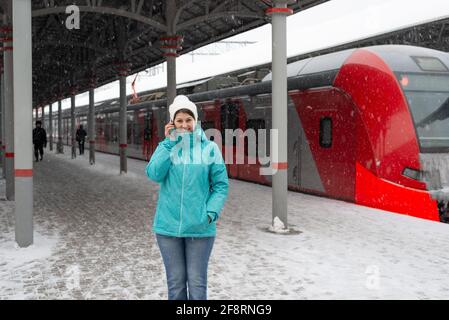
[14, 260]
[94, 241]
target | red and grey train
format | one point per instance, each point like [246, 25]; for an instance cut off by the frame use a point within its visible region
[367, 125]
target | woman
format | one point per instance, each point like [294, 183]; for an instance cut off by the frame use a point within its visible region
[193, 189]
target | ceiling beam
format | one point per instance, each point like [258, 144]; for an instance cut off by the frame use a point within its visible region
[215, 16]
[58, 43]
[104, 10]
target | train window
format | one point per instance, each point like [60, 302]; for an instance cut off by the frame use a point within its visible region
[256, 125]
[423, 82]
[326, 132]
[208, 125]
[428, 101]
[430, 64]
[148, 120]
[229, 116]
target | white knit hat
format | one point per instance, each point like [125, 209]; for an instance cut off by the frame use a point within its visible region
[182, 102]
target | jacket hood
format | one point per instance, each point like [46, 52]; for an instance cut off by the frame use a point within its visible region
[182, 102]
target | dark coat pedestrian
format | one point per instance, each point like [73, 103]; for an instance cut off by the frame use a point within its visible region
[39, 141]
[81, 138]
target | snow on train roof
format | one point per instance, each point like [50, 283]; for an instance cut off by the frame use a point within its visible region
[192, 83]
[398, 57]
[331, 61]
[401, 58]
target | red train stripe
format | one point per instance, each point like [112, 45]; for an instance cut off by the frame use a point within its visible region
[376, 192]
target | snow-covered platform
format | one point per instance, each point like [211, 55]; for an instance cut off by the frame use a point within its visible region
[93, 240]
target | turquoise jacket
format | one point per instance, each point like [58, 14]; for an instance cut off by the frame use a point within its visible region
[193, 185]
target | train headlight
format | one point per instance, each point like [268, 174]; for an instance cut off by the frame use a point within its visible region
[404, 81]
[412, 174]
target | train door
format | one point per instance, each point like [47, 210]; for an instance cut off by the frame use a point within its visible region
[154, 130]
[144, 134]
[294, 148]
[100, 139]
[229, 119]
[302, 171]
[250, 171]
[241, 154]
[327, 143]
[210, 119]
[160, 120]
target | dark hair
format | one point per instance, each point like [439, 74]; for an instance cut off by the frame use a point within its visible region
[38, 122]
[189, 112]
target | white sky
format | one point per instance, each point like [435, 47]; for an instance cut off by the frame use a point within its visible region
[327, 25]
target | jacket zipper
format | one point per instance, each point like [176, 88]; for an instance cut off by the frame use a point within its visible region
[182, 197]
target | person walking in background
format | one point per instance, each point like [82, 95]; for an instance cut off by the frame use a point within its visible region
[191, 197]
[81, 138]
[39, 141]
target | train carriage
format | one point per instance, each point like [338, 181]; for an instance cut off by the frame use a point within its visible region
[367, 125]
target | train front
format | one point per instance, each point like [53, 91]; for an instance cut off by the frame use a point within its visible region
[401, 97]
[427, 94]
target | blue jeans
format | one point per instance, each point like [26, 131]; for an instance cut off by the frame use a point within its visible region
[186, 261]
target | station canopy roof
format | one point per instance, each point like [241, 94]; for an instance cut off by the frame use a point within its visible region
[117, 34]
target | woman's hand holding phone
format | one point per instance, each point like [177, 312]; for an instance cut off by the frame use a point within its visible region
[168, 129]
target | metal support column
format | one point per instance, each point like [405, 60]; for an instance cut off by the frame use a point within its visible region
[3, 147]
[123, 138]
[23, 118]
[91, 125]
[171, 78]
[279, 14]
[73, 128]
[59, 146]
[9, 109]
[2, 124]
[43, 116]
[66, 130]
[50, 127]
[170, 46]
